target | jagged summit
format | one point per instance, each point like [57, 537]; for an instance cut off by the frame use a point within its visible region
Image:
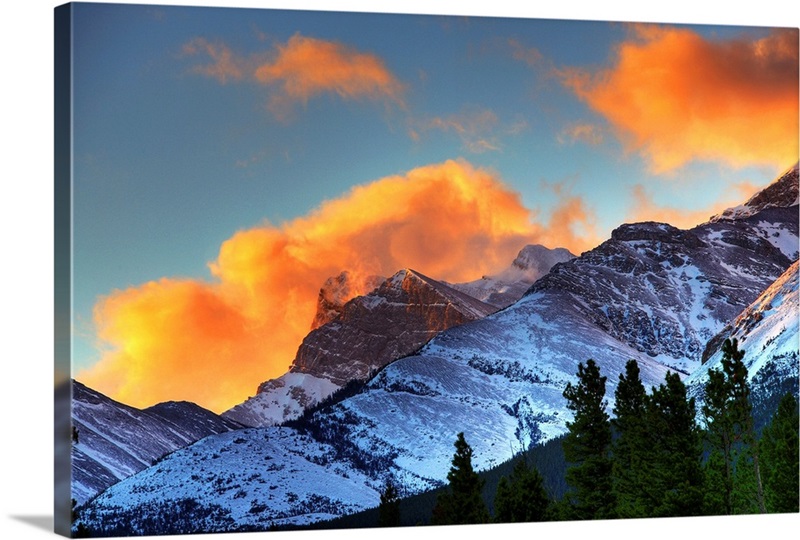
[503, 289]
[395, 319]
[337, 290]
[392, 321]
[782, 193]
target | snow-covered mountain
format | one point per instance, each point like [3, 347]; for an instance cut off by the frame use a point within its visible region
[370, 331]
[508, 286]
[112, 441]
[768, 331]
[651, 292]
[352, 339]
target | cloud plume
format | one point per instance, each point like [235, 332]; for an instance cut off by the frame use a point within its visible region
[212, 341]
[676, 97]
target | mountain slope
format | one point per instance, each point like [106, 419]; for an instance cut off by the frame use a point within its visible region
[115, 441]
[780, 193]
[769, 332]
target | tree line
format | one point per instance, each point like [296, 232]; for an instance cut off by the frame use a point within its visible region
[651, 459]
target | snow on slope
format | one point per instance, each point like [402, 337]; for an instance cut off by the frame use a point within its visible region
[769, 333]
[282, 399]
[248, 478]
[116, 441]
[782, 192]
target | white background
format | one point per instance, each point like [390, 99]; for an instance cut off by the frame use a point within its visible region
[26, 211]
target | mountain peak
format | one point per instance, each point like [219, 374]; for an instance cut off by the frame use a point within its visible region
[337, 290]
[506, 287]
[782, 193]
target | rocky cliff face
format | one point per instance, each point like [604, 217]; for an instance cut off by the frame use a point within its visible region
[335, 293]
[394, 320]
[781, 193]
[370, 331]
[666, 292]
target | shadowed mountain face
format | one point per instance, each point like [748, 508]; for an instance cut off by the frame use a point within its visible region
[335, 293]
[783, 192]
[651, 292]
[112, 441]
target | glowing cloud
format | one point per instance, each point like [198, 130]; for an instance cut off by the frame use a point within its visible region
[213, 342]
[677, 97]
[306, 67]
[301, 69]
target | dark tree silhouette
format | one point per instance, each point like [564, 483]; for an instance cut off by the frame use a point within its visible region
[587, 446]
[462, 503]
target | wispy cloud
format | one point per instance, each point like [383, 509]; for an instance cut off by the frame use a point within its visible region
[301, 69]
[480, 130]
[225, 66]
[529, 55]
[475, 127]
[676, 97]
[584, 132]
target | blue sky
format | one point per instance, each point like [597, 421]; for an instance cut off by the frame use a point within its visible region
[178, 144]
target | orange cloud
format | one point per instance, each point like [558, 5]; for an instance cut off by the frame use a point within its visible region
[676, 97]
[213, 342]
[646, 209]
[301, 69]
[306, 67]
[572, 224]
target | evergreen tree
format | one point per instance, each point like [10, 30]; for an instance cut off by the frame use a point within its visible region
[673, 484]
[720, 437]
[631, 444]
[463, 503]
[780, 451]
[587, 446]
[389, 509]
[736, 373]
[731, 434]
[521, 497]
